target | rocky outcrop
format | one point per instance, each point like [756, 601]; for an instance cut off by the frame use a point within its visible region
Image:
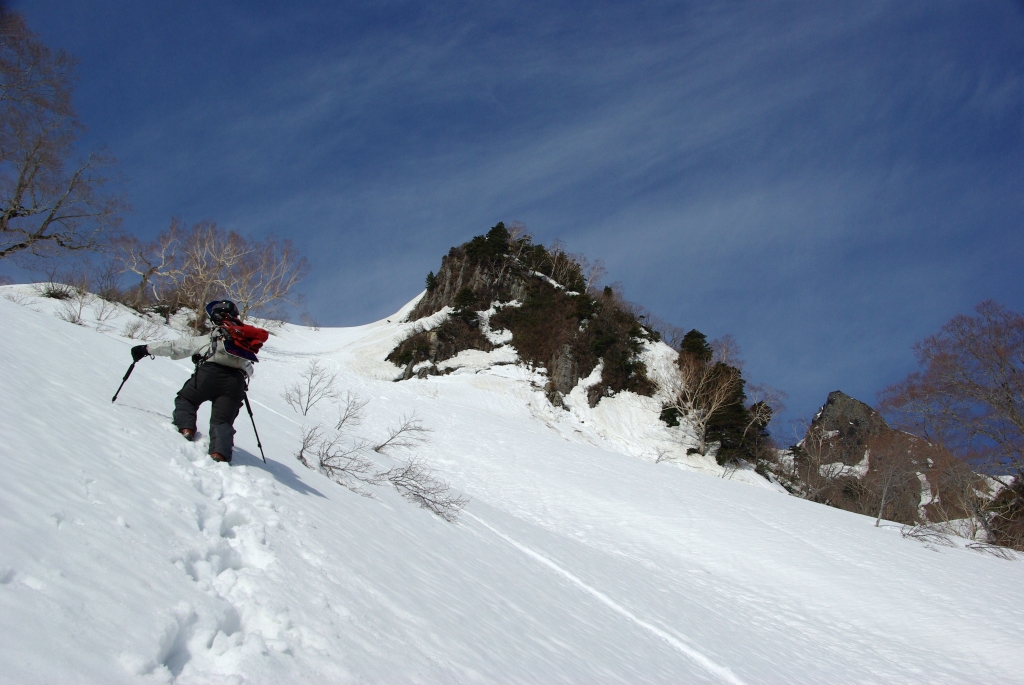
[541, 298]
[850, 425]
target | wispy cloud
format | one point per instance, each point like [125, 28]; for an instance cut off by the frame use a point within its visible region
[826, 181]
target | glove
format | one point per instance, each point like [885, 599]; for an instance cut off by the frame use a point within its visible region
[139, 351]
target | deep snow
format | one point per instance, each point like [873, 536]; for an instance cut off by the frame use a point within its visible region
[127, 556]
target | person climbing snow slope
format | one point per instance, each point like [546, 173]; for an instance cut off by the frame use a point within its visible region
[224, 364]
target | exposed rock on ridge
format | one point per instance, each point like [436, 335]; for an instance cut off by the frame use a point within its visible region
[541, 298]
[850, 424]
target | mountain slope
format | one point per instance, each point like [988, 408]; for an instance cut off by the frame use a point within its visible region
[126, 555]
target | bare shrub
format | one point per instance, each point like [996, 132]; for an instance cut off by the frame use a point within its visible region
[417, 484]
[345, 464]
[102, 311]
[962, 495]
[311, 437]
[141, 329]
[995, 550]
[351, 413]
[18, 297]
[72, 307]
[348, 462]
[316, 383]
[929, 534]
[55, 290]
[407, 434]
[661, 454]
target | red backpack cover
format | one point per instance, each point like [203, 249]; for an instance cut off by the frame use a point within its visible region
[243, 340]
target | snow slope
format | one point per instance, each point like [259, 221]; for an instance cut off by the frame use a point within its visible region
[127, 556]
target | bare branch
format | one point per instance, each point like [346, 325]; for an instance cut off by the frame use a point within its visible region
[407, 434]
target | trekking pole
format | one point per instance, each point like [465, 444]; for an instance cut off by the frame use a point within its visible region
[126, 374]
[245, 396]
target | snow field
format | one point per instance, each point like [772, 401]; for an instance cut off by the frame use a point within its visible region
[127, 556]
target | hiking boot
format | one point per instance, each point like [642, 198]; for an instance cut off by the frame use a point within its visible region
[187, 433]
[217, 456]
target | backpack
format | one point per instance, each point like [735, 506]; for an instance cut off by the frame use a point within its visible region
[242, 340]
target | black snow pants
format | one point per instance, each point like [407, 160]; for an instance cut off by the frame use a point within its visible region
[225, 388]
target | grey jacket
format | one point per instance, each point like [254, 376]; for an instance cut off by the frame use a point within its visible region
[186, 347]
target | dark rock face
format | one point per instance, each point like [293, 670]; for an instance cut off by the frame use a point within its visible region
[488, 281]
[853, 424]
[564, 370]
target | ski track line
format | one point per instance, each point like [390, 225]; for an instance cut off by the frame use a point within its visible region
[697, 657]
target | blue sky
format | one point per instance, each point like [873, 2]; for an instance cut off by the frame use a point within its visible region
[827, 181]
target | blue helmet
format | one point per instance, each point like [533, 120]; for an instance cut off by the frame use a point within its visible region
[218, 310]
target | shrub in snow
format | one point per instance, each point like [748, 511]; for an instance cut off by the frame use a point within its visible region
[316, 383]
[348, 461]
[417, 484]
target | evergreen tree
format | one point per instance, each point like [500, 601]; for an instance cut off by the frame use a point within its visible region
[696, 344]
[431, 282]
[464, 302]
[728, 426]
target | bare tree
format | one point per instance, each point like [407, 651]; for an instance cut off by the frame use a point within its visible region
[409, 432]
[764, 403]
[517, 232]
[564, 268]
[50, 203]
[208, 255]
[702, 388]
[893, 465]
[205, 262]
[417, 484]
[969, 395]
[593, 272]
[316, 383]
[962, 494]
[265, 277]
[671, 334]
[727, 351]
[816, 467]
[156, 263]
